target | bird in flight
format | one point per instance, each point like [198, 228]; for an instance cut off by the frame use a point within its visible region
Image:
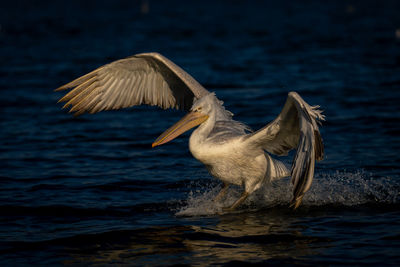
[229, 150]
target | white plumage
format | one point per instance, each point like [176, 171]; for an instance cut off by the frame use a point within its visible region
[228, 149]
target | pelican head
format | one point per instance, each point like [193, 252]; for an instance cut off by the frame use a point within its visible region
[201, 110]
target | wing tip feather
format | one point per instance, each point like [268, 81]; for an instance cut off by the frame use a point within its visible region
[61, 88]
[296, 201]
[319, 146]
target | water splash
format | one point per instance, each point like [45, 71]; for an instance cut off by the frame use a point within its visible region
[353, 188]
[334, 188]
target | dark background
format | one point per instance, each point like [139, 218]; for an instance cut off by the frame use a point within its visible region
[91, 190]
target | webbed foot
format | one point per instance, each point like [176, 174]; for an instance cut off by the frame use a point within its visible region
[237, 203]
[221, 193]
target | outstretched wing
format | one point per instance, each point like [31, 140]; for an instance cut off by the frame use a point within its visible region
[295, 128]
[147, 78]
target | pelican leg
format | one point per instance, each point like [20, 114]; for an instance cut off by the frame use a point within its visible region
[237, 203]
[222, 193]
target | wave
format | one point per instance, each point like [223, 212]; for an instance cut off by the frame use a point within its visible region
[339, 188]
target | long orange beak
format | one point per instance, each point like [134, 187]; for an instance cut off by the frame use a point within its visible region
[191, 120]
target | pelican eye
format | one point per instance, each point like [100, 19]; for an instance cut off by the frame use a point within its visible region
[198, 109]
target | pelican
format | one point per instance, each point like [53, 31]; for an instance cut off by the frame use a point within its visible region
[229, 150]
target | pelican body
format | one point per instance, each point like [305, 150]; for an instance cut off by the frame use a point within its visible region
[230, 151]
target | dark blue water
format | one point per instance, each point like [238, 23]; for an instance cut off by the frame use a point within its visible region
[91, 190]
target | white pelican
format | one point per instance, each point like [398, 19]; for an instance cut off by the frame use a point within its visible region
[226, 147]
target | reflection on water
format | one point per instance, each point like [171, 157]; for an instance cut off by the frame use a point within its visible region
[249, 237]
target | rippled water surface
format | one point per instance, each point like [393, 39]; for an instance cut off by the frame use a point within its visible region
[91, 190]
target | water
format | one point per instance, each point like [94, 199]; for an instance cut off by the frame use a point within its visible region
[91, 190]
